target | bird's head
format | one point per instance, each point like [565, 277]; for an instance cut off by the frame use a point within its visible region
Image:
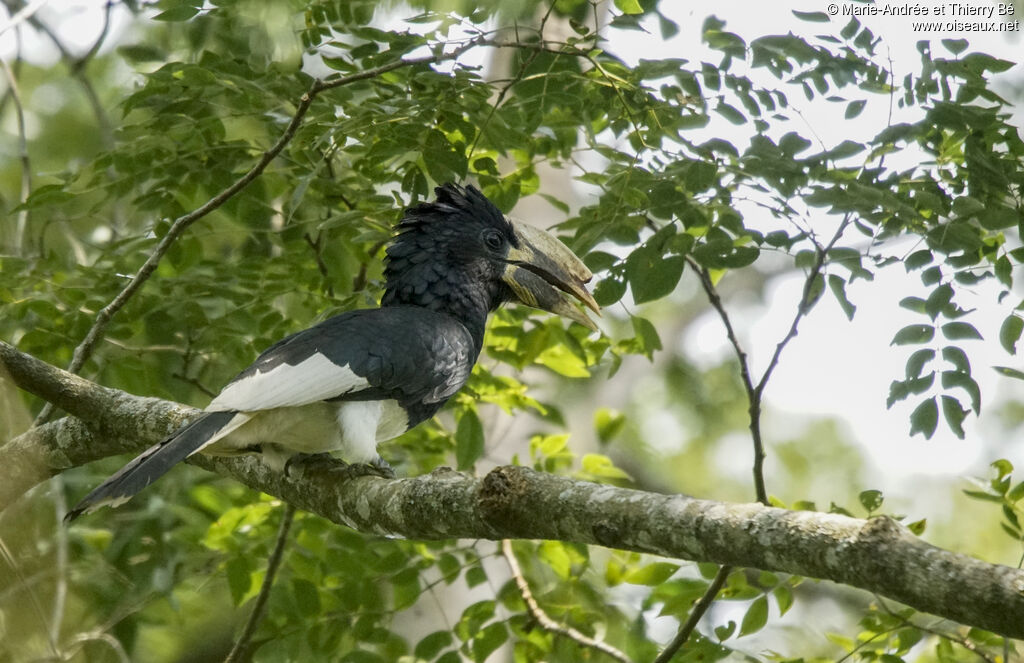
[461, 254]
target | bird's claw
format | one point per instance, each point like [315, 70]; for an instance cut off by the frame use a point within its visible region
[377, 467]
[301, 462]
[383, 468]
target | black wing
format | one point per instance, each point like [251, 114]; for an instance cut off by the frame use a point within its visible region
[413, 355]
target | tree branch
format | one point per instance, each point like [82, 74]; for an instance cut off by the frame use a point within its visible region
[542, 618]
[878, 555]
[21, 221]
[687, 628]
[241, 647]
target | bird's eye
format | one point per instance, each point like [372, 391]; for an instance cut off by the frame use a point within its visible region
[493, 240]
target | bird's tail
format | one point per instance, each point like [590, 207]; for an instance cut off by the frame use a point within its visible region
[156, 461]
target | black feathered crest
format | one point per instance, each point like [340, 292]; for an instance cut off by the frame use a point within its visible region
[458, 205]
[437, 240]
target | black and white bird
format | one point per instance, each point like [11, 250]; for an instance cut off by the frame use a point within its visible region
[366, 376]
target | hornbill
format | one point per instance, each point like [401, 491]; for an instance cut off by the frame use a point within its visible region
[369, 375]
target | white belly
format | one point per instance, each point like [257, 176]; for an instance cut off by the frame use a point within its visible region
[352, 428]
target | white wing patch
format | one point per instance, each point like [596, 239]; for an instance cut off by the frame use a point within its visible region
[314, 379]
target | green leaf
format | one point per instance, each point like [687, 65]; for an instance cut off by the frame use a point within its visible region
[957, 357]
[964, 381]
[725, 631]
[918, 259]
[954, 413]
[925, 418]
[932, 275]
[141, 53]
[647, 335]
[985, 497]
[730, 113]
[473, 617]
[475, 575]
[1016, 493]
[609, 290]
[1002, 467]
[430, 646]
[845, 149]
[838, 287]
[651, 274]
[918, 526]
[239, 575]
[913, 335]
[179, 13]
[1004, 271]
[469, 440]
[553, 554]
[998, 218]
[1009, 333]
[979, 63]
[938, 300]
[608, 423]
[784, 597]
[307, 596]
[602, 467]
[562, 360]
[488, 641]
[629, 6]
[854, 108]
[1009, 372]
[652, 574]
[871, 500]
[915, 304]
[917, 361]
[756, 617]
[955, 46]
[955, 331]
[46, 196]
[813, 17]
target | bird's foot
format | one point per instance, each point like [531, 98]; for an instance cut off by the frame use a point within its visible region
[299, 463]
[382, 468]
[376, 468]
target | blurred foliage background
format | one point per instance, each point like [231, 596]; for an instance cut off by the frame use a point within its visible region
[675, 177]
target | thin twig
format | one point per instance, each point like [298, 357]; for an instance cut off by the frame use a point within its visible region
[702, 605]
[542, 618]
[195, 383]
[37, 607]
[359, 281]
[23, 15]
[508, 86]
[864, 644]
[76, 67]
[273, 563]
[97, 636]
[317, 246]
[60, 591]
[21, 224]
[753, 394]
[807, 300]
[95, 48]
[963, 642]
